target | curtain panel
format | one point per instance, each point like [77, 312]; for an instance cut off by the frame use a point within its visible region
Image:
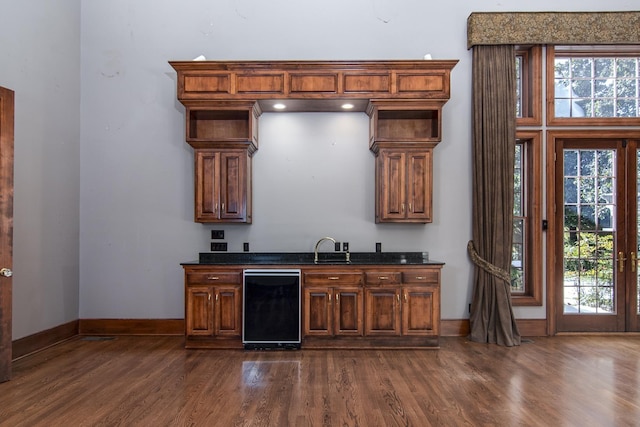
[557, 28]
[494, 137]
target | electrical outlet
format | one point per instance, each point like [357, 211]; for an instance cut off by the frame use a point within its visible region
[218, 246]
[217, 234]
[245, 247]
[345, 246]
[378, 247]
[337, 247]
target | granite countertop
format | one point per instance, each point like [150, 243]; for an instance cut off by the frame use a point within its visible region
[307, 258]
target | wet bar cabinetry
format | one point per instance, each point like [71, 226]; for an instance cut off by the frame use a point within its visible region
[404, 99]
[213, 305]
[343, 306]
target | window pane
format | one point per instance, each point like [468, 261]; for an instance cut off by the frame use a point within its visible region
[604, 67]
[598, 87]
[517, 257]
[517, 182]
[518, 86]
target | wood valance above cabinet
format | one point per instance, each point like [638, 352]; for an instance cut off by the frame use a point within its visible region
[323, 81]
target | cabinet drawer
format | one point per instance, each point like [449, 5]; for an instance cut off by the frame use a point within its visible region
[381, 278]
[332, 278]
[211, 278]
[421, 276]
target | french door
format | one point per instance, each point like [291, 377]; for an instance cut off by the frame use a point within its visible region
[596, 240]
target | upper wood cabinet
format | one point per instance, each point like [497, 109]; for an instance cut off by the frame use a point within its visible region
[222, 185]
[403, 98]
[404, 185]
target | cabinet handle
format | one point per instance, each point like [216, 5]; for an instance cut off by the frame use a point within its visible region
[633, 261]
[209, 297]
[215, 208]
[398, 296]
[410, 208]
[213, 278]
[217, 297]
[329, 296]
[222, 210]
[337, 298]
[333, 278]
[383, 277]
[621, 260]
[403, 208]
[405, 297]
[420, 277]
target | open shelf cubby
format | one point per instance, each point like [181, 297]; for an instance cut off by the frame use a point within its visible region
[407, 125]
[218, 125]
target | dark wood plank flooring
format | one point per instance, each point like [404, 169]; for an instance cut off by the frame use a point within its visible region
[153, 381]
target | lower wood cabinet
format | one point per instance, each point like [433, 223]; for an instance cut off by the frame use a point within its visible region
[333, 311]
[407, 310]
[353, 307]
[213, 308]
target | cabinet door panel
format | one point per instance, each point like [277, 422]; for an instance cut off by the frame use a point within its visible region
[391, 182]
[206, 185]
[228, 311]
[317, 311]
[199, 315]
[419, 185]
[233, 189]
[348, 311]
[382, 311]
[420, 312]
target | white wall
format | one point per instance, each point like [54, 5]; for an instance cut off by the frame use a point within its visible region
[133, 182]
[313, 173]
[40, 61]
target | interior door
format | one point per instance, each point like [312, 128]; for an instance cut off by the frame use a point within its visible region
[596, 286]
[6, 228]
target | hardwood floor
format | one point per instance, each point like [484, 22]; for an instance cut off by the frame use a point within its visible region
[153, 381]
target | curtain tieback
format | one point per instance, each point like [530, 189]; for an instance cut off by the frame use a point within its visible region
[486, 265]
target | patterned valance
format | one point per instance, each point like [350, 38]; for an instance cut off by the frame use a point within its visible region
[558, 28]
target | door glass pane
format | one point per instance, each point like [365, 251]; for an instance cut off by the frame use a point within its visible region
[589, 231]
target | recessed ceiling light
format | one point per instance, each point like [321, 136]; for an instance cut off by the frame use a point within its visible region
[347, 106]
[279, 106]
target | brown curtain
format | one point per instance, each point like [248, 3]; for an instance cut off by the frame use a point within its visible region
[494, 135]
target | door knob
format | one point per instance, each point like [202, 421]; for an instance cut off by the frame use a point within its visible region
[6, 272]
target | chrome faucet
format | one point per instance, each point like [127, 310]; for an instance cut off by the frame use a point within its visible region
[315, 251]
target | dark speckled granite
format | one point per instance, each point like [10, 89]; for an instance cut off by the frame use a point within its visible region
[302, 258]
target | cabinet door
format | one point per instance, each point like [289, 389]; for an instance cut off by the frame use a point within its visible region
[391, 187]
[348, 311]
[233, 185]
[199, 313]
[419, 185]
[207, 187]
[420, 310]
[382, 311]
[228, 311]
[317, 311]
